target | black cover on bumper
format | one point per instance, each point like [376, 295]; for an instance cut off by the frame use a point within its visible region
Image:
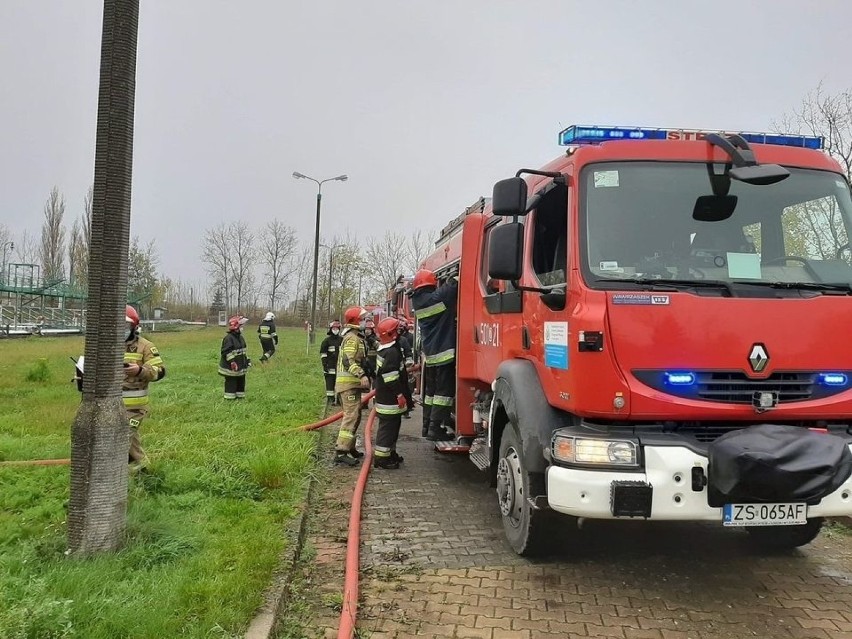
[774, 463]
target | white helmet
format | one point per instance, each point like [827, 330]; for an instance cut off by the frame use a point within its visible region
[269, 317]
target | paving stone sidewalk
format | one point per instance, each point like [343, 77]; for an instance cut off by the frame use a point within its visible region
[435, 564]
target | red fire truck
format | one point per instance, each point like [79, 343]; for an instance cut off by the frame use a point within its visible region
[654, 326]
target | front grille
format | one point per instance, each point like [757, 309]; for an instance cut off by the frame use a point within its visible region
[707, 433]
[735, 387]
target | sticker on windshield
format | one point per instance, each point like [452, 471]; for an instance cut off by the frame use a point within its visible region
[640, 299]
[609, 266]
[605, 179]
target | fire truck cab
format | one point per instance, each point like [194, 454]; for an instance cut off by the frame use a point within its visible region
[654, 326]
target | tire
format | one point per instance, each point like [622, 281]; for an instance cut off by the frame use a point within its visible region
[779, 538]
[528, 531]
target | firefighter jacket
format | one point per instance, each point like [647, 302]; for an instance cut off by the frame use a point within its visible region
[391, 380]
[134, 388]
[266, 330]
[352, 362]
[435, 310]
[328, 353]
[372, 344]
[404, 342]
[233, 350]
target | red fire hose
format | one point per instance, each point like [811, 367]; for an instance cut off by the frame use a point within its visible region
[349, 612]
[333, 418]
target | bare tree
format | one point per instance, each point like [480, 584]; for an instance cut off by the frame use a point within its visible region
[278, 245]
[142, 280]
[827, 115]
[302, 269]
[815, 229]
[78, 270]
[386, 258]
[97, 510]
[243, 258]
[74, 242]
[52, 250]
[26, 248]
[419, 245]
[216, 253]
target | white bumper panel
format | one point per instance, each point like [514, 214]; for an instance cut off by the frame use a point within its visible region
[586, 493]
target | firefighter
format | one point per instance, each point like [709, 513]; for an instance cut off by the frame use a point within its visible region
[435, 309]
[372, 343]
[142, 365]
[391, 402]
[351, 381]
[268, 337]
[404, 342]
[234, 362]
[328, 355]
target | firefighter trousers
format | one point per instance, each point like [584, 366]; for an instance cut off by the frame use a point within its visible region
[350, 400]
[267, 344]
[136, 454]
[387, 435]
[439, 391]
[235, 386]
[330, 378]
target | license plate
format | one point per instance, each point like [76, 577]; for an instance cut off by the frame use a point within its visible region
[764, 514]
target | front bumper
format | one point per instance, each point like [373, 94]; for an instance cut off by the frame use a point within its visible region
[668, 470]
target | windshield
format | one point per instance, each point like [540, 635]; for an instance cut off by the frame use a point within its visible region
[638, 224]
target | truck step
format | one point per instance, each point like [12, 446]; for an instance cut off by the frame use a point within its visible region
[480, 458]
[461, 446]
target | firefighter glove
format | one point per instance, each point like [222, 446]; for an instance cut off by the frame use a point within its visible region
[234, 366]
[400, 401]
[365, 382]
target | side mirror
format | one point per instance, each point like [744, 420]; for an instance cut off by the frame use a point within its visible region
[759, 174]
[505, 251]
[509, 197]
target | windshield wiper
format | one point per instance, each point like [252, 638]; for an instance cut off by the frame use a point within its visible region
[845, 289]
[672, 284]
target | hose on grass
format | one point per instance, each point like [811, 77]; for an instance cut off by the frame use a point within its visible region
[37, 462]
[333, 418]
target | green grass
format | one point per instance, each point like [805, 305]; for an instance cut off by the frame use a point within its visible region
[205, 526]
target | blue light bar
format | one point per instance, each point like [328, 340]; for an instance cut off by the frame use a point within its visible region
[680, 379]
[834, 379]
[579, 134]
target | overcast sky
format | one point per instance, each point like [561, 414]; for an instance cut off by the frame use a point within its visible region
[423, 104]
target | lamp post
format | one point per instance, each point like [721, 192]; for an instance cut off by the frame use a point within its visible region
[8, 246]
[319, 183]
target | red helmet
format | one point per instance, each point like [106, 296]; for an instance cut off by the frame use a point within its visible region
[354, 314]
[388, 330]
[234, 323]
[424, 277]
[334, 324]
[131, 316]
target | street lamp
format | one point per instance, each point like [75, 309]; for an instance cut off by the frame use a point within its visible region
[11, 247]
[319, 183]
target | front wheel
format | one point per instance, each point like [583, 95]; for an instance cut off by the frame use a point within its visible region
[527, 529]
[777, 538]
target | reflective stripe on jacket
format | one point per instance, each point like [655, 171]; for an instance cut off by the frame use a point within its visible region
[134, 388]
[350, 363]
[436, 310]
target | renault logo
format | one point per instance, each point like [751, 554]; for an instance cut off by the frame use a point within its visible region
[758, 358]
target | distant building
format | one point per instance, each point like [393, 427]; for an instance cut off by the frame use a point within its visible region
[160, 312]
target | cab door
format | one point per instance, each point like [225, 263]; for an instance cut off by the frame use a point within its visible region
[547, 329]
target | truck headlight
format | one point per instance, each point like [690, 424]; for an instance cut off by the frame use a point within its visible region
[597, 452]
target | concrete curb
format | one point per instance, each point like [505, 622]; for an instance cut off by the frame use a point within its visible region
[264, 624]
